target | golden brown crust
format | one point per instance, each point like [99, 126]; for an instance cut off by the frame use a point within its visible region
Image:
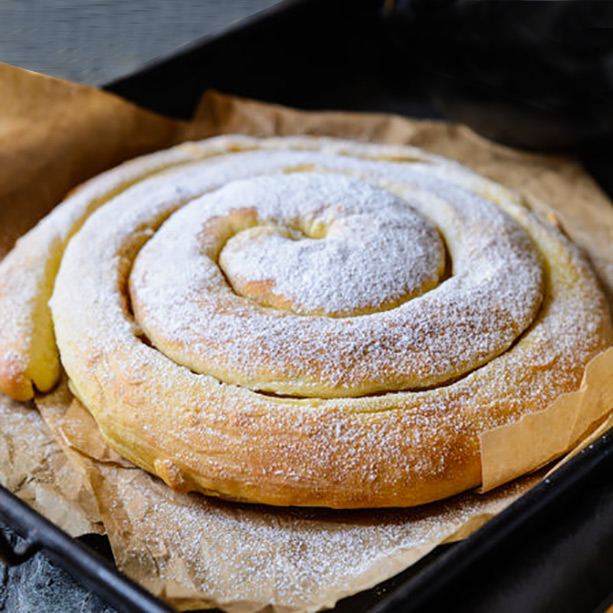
[397, 448]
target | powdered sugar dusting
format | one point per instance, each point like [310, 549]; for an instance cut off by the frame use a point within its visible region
[299, 559]
[326, 244]
[199, 320]
[397, 448]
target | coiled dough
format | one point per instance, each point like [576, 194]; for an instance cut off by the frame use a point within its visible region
[307, 321]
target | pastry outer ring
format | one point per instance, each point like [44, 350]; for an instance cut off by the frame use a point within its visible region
[393, 449]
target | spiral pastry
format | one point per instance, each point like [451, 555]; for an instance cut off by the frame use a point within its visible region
[301, 321]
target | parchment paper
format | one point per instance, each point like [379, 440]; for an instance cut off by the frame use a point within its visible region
[192, 550]
[34, 467]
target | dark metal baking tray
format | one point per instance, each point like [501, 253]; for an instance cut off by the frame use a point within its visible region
[550, 551]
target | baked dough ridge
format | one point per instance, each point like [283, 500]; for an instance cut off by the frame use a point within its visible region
[394, 448]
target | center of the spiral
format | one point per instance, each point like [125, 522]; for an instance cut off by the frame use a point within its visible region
[347, 260]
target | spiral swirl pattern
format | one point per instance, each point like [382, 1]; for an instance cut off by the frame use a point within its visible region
[316, 322]
[314, 243]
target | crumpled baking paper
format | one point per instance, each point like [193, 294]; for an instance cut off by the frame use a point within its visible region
[195, 551]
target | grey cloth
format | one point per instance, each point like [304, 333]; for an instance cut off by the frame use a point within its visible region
[96, 41]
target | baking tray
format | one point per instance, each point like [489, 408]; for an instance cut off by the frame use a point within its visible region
[552, 550]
